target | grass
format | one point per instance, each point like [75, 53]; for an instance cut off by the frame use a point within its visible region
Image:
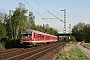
[1, 47]
[73, 54]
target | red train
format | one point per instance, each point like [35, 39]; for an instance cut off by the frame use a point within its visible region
[29, 36]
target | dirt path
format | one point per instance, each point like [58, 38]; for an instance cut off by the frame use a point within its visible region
[84, 50]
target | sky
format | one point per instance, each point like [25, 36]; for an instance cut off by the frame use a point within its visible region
[76, 11]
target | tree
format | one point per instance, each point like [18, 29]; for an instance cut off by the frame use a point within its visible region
[19, 20]
[1, 15]
[40, 28]
[7, 26]
[2, 32]
[31, 21]
[5, 22]
[77, 31]
[3, 18]
[46, 29]
[86, 33]
[81, 32]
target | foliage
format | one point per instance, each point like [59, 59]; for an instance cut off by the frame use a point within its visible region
[3, 37]
[31, 21]
[72, 39]
[86, 33]
[46, 29]
[81, 32]
[2, 32]
[2, 47]
[18, 20]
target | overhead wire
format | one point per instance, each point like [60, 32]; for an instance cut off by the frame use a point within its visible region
[3, 9]
[33, 8]
[41, 6]
[54, 16]
[11, 2]
[43, 9]
[48, 12]
[28, 4]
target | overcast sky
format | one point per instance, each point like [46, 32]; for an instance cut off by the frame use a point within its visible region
[76, 11]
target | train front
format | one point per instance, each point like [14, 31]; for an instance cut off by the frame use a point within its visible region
[26, 37]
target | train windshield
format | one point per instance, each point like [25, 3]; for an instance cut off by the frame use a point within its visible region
[26, 35]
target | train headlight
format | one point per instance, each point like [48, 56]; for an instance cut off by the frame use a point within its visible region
[21, 42]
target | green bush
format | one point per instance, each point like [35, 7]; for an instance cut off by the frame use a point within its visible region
[2, 46]
[2, 32]
[12, 44]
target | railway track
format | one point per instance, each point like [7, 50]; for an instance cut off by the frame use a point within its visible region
[8, 50]
[29, 53]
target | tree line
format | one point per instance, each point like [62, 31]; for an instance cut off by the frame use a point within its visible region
[11, 24]
[81, 32]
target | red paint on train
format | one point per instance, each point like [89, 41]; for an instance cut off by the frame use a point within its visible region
[34, 37]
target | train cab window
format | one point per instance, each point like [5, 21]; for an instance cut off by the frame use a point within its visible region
[34, 35]
[26, 35]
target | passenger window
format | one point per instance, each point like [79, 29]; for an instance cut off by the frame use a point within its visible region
[34, 35]
[42, 36]
[39, 35]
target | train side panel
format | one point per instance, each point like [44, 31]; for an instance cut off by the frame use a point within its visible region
[34, 37]
[38, 37]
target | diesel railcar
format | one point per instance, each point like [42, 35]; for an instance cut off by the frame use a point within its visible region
[29, 36]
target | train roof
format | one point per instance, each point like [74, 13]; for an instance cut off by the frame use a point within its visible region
[28, 31]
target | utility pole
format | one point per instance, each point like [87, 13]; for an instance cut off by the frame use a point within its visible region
[64, 20]
[43, 28]
[70, 28]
